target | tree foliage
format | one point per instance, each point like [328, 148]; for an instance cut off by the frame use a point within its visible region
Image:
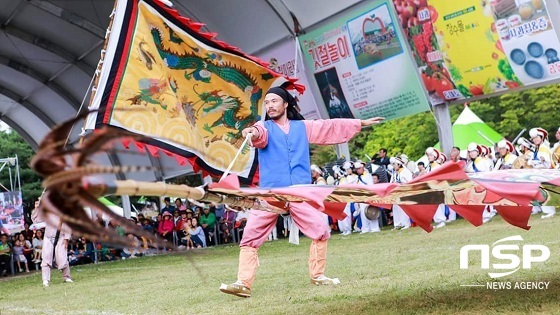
[322, 154]
[12, 144]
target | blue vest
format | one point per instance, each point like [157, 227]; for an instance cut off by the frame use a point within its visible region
[285, 159]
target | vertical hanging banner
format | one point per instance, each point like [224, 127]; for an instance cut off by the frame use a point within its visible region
[282, 59]
[362, 67]
[11, 211]
[471, 48]
[529, 39]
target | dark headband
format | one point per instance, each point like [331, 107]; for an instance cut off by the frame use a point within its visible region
[280, 92]
[292, 112]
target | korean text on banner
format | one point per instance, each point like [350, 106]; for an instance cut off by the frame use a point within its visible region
[362, 67]
[472, 48]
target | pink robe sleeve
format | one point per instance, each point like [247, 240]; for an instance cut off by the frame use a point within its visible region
[328, 131]
[262, 141]
[332, 131]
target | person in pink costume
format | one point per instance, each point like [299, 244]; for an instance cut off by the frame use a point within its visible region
[54, 249]
[283, 142]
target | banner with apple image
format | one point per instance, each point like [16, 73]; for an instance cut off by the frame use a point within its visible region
[361, 65]
[473, 48]
[457, 52]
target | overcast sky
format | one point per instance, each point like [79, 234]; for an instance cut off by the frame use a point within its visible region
[3, 126]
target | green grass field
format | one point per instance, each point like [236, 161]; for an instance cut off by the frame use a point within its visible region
[394, 272]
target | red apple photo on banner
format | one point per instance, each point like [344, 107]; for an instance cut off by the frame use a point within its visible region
[374, 37]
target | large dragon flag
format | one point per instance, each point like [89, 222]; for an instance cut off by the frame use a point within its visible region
[190, 94]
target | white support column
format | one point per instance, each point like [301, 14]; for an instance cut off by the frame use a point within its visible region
[126, 206]
[342, 150]
[444, 126]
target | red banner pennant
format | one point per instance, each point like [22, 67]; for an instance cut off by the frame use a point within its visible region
[422, 215]
[195, 26]
[209, 35]
[335, 210]
[154, 151]
[140, 146]
[471, 213]
[447, 171]
[180, 159]
[126, 143]
[515, 215]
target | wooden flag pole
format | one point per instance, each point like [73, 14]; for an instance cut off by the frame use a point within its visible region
[136, 188]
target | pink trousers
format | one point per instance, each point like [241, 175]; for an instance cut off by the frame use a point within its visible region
[260, 224]
[307, 219]
[61, 258]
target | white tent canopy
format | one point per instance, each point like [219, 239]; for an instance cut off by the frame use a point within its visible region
[469, 128]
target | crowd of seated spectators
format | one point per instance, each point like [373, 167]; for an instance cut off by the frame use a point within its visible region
[20, 252]
[195, 225]
[184, 224]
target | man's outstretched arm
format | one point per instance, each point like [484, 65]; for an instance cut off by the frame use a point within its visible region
[334, 131]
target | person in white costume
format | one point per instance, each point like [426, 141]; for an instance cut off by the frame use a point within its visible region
[318, 179]
[556, 150]
[55, 245]
[542, 159]
[436, 159]
[542, 156]
[433, 155]
[476, 164]
[507, 155]
[345, 226]
[401, 175]
[365, 178]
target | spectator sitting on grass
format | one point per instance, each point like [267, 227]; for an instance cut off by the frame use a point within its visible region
[180, 225]
[105, 252]
[84, 254]
[19, 257]
[27, 232]
[186, 240]
[37, 246]
[241, 218]
[176, 217]
[197, 212]
[218, 210]
[133, 251]
[27, 247]
[155, 224]
[197, 234]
